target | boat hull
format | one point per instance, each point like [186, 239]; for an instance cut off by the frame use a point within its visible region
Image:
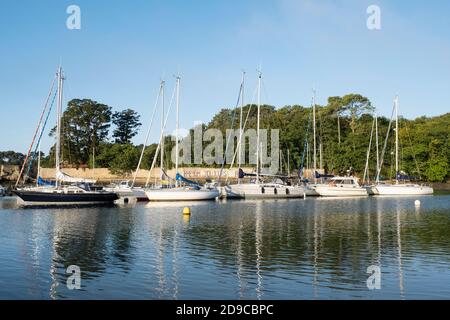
[371, 190]
[181, 194]
[341, 192]
[263, 191]
[310, 190]
[403, 190]
[60, 198]
[137, 193]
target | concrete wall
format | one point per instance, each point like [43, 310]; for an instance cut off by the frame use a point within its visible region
[9, 172]
[104, 175]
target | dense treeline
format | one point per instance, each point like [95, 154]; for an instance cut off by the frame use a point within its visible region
[343, 130]
[343, 135]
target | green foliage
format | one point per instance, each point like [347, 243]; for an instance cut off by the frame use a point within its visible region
[85, 124]
[127, 124]
[437, 169]
[342, 132]
[11, 157]
[119, 158]
[430, 152]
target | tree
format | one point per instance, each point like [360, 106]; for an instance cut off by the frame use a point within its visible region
[424, 142]
[125, 159]
[335, 104]
[438, 166]
[11, 158]
[85, 124]
[127, 123]
[355, 105]
[119, 158]
[437, 169]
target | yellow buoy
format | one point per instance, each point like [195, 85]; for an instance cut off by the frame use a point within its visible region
[187, 211]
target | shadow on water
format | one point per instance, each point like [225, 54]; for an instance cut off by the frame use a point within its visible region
[262, 249]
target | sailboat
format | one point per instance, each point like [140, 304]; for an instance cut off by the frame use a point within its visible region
[184, 189]
[310, 188]
[257, 188]
[398, 188]
[371, 189]
[80, 191]
[342, 187]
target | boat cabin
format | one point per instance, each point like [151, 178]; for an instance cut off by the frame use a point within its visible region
[344, 182]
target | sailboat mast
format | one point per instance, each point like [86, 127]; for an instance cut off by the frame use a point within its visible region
[58, 122]
[288, 164]
[314, 133]
[366, 169]
[38, 165]
[257, 127]
[240, 122]
[177, 128]
[162, 129]
[307, 155]
[320, 153]
[376, 141]
[396, 139]
[281, 161]
[93, 161]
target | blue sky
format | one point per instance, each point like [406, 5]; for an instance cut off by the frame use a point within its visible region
[124, 48]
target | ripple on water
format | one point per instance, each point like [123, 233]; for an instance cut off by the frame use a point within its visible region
[280, 249]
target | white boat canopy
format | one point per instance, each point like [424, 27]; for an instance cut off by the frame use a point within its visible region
[61, 176]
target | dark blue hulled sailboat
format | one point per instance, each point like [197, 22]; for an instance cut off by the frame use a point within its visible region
[71, 195]
[66, 190]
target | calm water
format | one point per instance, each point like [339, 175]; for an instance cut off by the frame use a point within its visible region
[277, 249]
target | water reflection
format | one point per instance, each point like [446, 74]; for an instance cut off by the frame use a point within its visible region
[271, 249]
[399, 246]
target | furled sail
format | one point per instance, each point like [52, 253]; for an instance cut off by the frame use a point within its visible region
[43, 182]
[179, 177]
[61, 176]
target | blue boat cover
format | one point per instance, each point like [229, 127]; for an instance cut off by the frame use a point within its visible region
[42, 182]
[318, 175]
[179, 177]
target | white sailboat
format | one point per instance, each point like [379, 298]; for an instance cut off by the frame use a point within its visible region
[311, 188]
[342, 187]
[398, 188]
[403, 189]
[258, 189]
[190, 191]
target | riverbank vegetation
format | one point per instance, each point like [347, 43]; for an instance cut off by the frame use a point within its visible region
[94, 135]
